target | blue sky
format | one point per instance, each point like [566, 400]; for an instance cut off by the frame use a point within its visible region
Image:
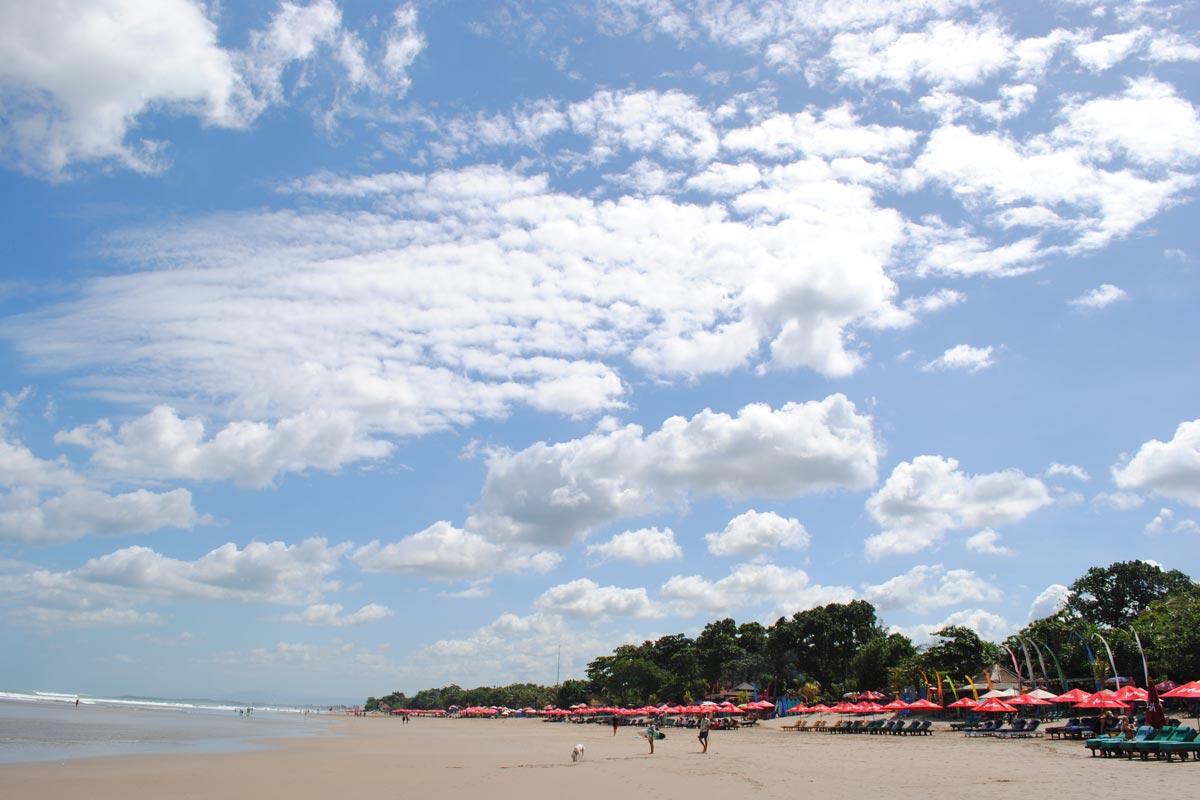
[362, 347]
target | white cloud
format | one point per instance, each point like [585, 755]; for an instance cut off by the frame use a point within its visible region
[316, 336]
[756, 533]
[987, 542]
[962, 357]
[670, 123]
[118, 583]
[1171, 469]
[1067, 470]
[1165, 522]
[930, 303]
[1122, 501]
[1108, 51]
[443, 551]
[1049, 602]
[925, 587]
[585, 599]
[1102, 296]
[783, 590]
[829, 133]
[945, 53]
[79, 78]
[331, 615]
[552, 494]
[160, 445]
[990, 627]
[1148, 123]
[25, 517]
[643, 546]
[20, 467]
[929, 496]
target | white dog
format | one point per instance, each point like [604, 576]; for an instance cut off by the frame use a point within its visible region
[577, 753]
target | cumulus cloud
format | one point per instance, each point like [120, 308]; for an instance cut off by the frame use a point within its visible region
[26, 518]
[1102, 296]
[585, 599]
[990, 627]
[78, 79]
[925, 587]
[161, 444]
[987, 542]
[756, 533]
[962, 357]
[924, 499]
[782, 590]
[1171, 469]
[444, 551]
[330, 614]
[1049, 602]
[120, 582]
[643, 546]
[1122, 501]
[552, 494]
[1165, 522]
[1056, 470]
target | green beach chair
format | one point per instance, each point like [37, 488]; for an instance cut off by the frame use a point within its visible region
[1179, 742]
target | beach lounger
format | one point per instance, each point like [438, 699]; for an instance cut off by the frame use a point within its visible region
[972, 721]
[1181, 743]
[1165, 737]
[1117, 745]
[1095, 742]
[1070, 728]
[1131, 747]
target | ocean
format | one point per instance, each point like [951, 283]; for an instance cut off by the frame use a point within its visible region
[49, 726]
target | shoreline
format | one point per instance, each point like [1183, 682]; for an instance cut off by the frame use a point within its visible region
[508, 759]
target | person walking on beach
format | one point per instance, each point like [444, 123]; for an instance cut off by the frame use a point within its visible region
[615, 723]
[705, 724]
[651, 735]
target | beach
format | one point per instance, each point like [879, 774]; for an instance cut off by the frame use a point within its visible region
[517, 758]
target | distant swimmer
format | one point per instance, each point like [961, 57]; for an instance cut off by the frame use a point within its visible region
[77, 702]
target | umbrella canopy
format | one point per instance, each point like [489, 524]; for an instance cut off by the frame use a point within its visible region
[1166, 686]
[798, 710]
[1131, 693]
[869, 708]
[998, 693]
[963, 702]
[1189, 691]
[1042, 694]
[819, 708]
[924, 704]
[994, 705]
[1073, 696]
[1027, 700]
[1102, 700]
[896, 705]
[869, 695]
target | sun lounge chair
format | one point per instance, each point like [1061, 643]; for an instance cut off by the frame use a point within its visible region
[972, 721]
[1132, 747]
[798, 725]
[1118, 745]
[1181, 743]
[925, 729]
[912, 726]
[985, 729]
[1094, 743]
[1072, 727]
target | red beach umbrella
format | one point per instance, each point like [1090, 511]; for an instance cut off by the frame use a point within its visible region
[962, 702]
[819, 708]
[1102, 700]
[1130, 693]
[1073, 696]
[924, 705]
[869, 695]
[869, 708]
[1027, 700]
[1189, 691]
[995, 705]
[798, 710]
[896, 705]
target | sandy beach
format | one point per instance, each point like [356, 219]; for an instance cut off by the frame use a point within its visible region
[519, 758]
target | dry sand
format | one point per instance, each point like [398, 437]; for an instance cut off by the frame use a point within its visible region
[516, 758]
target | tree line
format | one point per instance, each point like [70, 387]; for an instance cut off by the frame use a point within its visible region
[825, 652]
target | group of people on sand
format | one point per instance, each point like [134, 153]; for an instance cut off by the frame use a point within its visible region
[652, 733]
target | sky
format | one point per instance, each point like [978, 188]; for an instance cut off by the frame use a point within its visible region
[358, 347]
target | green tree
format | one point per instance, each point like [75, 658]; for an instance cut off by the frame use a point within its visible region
[872, 664]
[960, 652]
[820, 643]
[1170, 631]
[1113, 596]
[571, 692]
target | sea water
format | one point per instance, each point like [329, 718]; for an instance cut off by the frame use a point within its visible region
[44, 726]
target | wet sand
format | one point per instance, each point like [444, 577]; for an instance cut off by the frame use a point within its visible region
[517, 758]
